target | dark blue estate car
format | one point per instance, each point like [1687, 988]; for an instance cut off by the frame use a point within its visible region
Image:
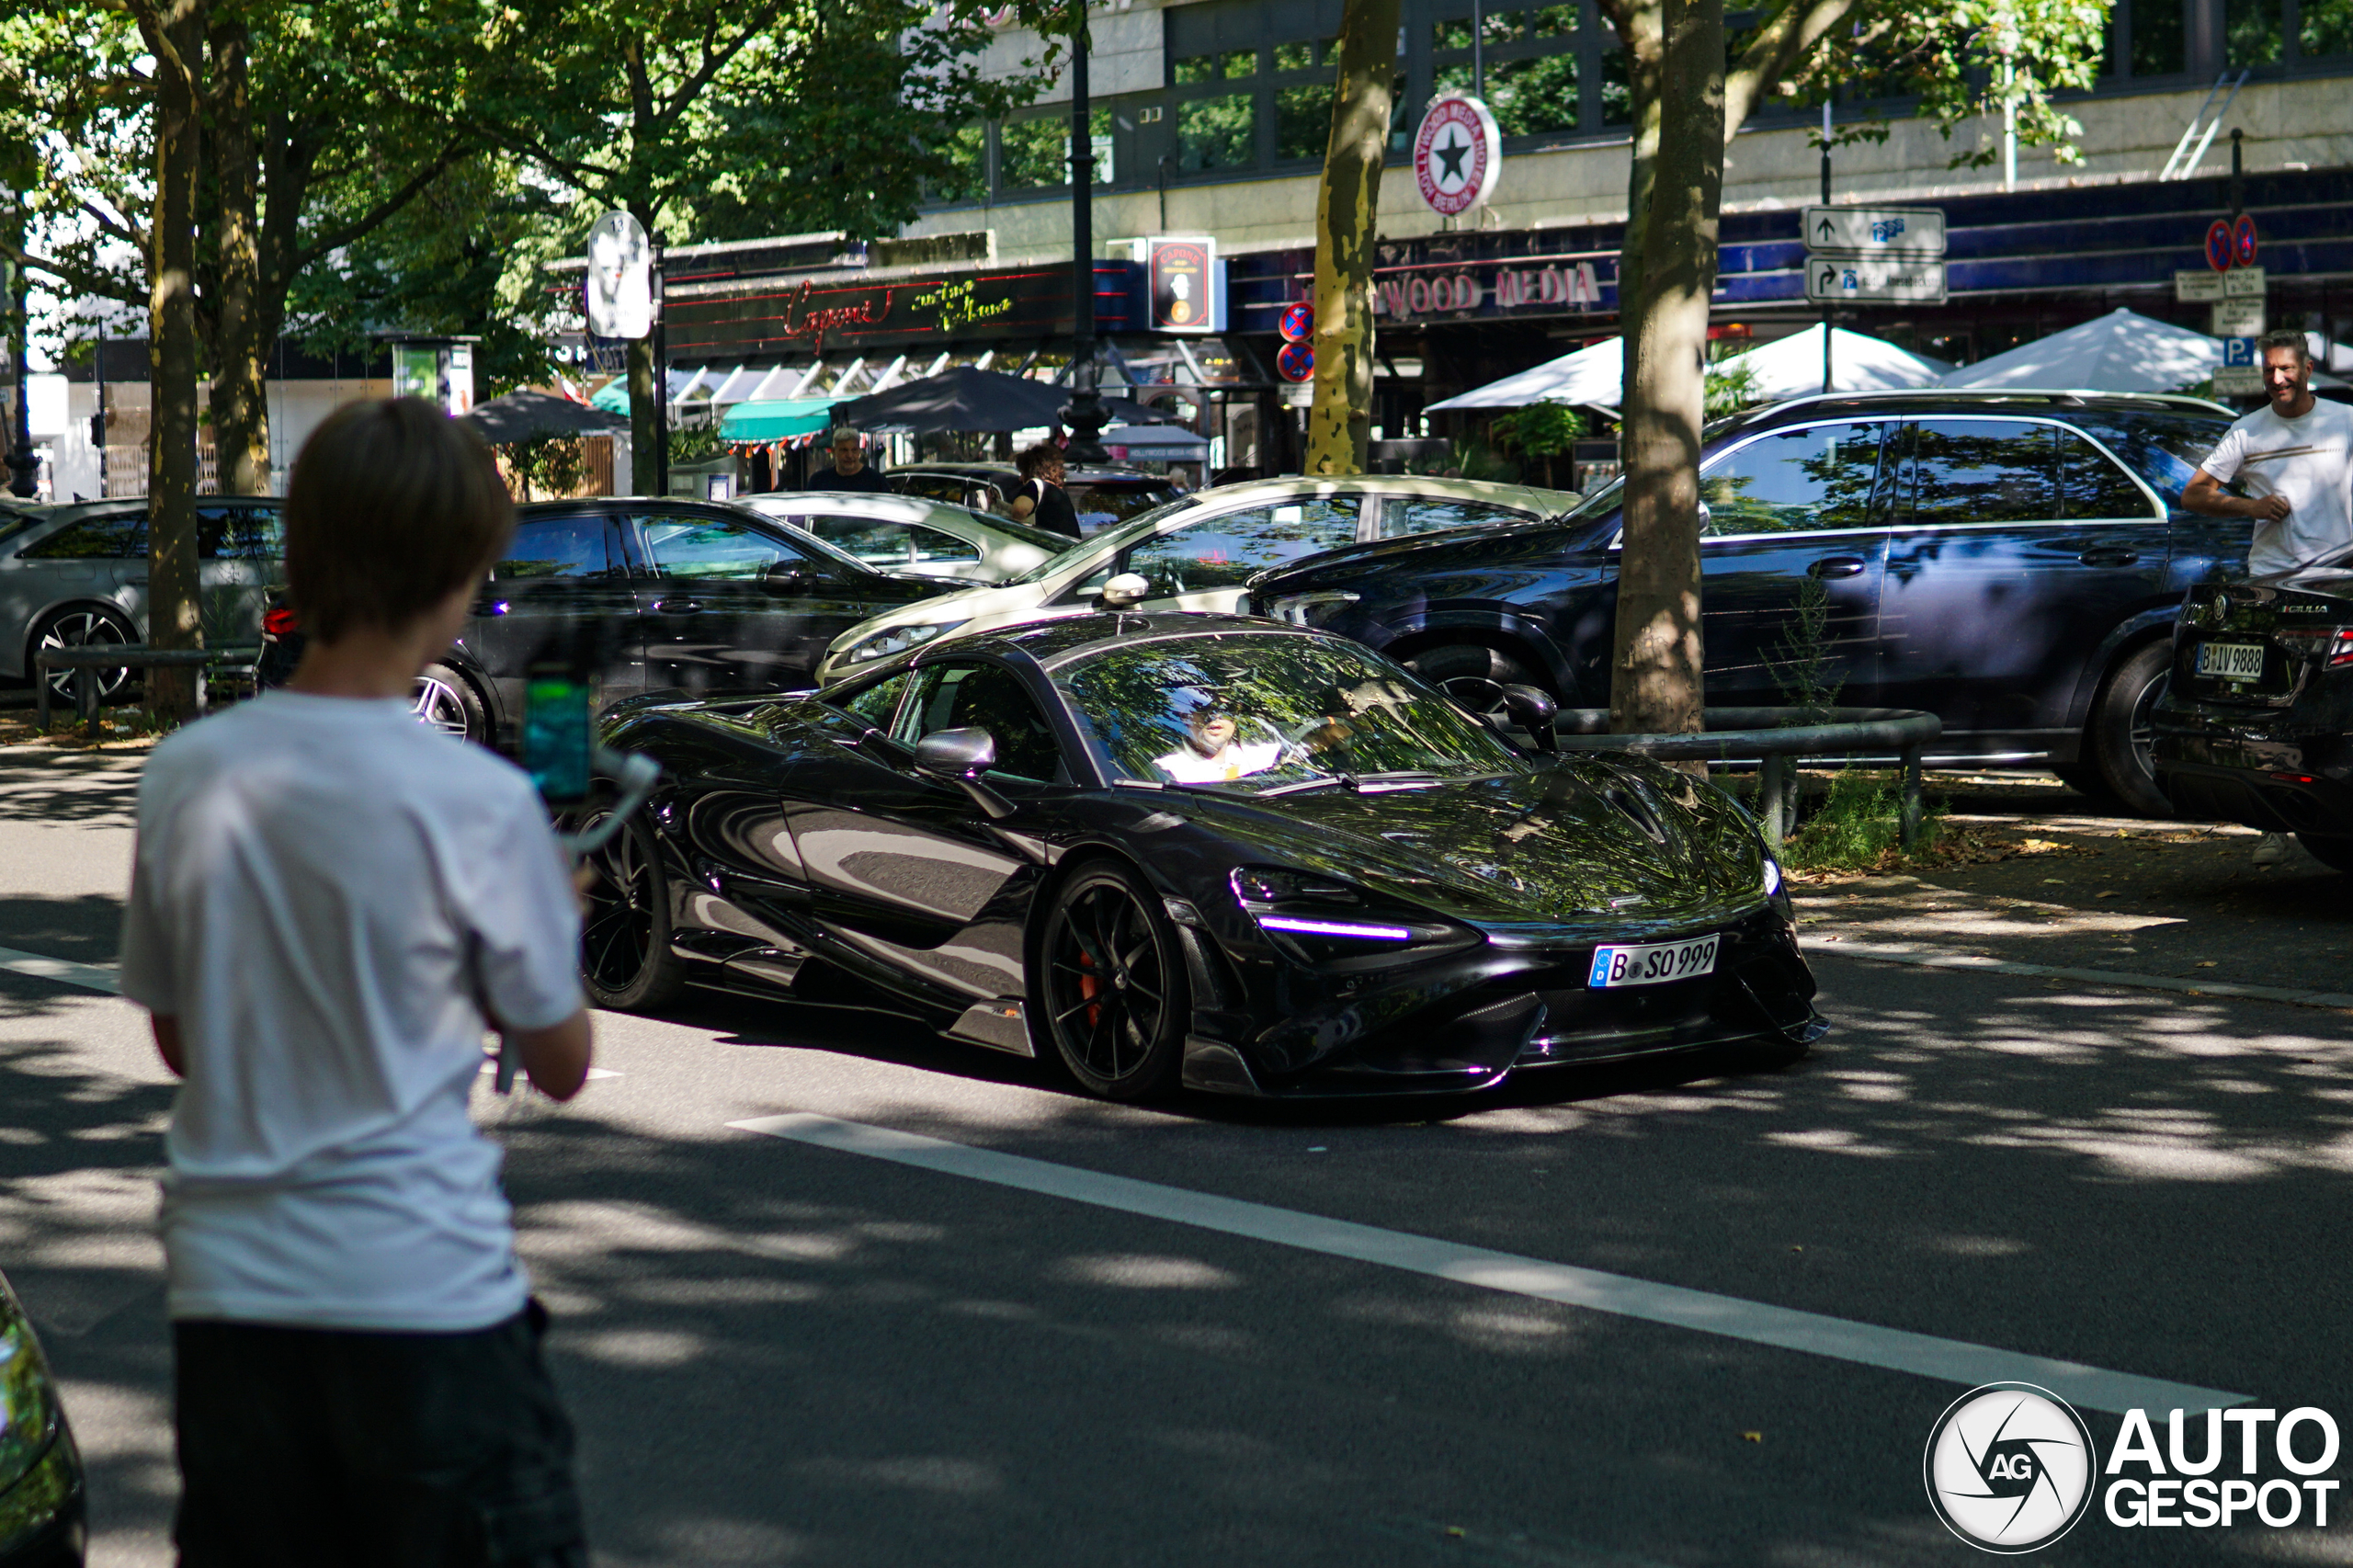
[2010, 562]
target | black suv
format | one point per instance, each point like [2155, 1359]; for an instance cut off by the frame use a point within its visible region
[2009, 561]
[697, 597]
[2254, 726]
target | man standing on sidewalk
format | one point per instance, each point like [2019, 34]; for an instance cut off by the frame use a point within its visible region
[2295, 455]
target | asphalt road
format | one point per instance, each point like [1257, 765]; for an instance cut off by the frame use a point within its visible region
[782, 1353]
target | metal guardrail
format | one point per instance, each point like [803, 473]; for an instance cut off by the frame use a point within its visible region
[1740, 733]
[85, 662]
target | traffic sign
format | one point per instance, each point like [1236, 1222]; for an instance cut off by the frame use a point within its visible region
[1854, 281]
[1295, 361]
[1876, 231]
[2236, 318]
[2194, 288]
[2245, 283]
[2242, 241]
[1298, 323]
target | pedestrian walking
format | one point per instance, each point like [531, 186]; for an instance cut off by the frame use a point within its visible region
[2294, 457]
[1041, 498]
[329, 904]
[850, 470]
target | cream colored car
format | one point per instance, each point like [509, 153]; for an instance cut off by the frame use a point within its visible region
[1198, 552]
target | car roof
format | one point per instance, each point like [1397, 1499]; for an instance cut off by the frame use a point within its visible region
[1540, 501]
[2059, 402]
[1089, 473]
[1056, 642]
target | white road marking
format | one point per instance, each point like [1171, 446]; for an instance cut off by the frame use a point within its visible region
[1932, 957]
[89, 976]
[1782, 1327]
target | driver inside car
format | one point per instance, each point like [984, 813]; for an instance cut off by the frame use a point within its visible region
[1212, 750]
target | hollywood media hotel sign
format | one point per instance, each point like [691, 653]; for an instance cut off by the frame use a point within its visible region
[1422, 292]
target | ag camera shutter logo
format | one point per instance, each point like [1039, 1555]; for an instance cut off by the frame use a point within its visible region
[2009, 1468]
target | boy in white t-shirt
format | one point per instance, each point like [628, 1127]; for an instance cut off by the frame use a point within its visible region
[330, 903]
[2296, 456]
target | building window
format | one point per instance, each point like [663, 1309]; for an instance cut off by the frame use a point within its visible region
[1302, 122]
[2159, 45]
[1217, 133]
[1031, 153]
[2251, 33]
[2324, 27]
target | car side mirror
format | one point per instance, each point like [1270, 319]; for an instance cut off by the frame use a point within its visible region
[1127, 588]
[960, 756]
[956, 753]
[1532, 710]
[786, 575]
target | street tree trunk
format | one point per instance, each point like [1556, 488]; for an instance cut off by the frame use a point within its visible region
[1339, 426]
[1638, 24]
[1655, 665]
[175, 31]
[240, 402]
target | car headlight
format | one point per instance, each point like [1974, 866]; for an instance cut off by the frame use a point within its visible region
[1322, 921]
[1310, 609]
[1776, 891]
[28, 1407]
[896, 640]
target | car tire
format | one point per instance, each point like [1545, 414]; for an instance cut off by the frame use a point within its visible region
[447, 701]
[2120, 729]
[1474, 676]
[79, 625]
[2336, 854]
[1123, 1040]
[626, 963]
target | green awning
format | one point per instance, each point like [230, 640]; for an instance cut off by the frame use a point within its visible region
[613, 396]
[775, 419]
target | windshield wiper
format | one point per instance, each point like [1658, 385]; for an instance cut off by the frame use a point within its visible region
[1395, 778]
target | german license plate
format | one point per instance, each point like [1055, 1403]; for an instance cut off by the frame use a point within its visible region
[2231, 660]
[1653, 963]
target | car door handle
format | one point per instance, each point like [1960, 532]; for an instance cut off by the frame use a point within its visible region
[678, 607]
[134, 582]
[1838, 566]
[2109, 557]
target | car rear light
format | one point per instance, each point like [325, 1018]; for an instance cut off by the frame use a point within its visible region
[2333, 644]
[280, 622]
[2295, 778]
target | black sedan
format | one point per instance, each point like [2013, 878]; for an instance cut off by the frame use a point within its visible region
[2009, 561]
[2256, 724]
[1201, 850]
[640, 596]
[41, 1470]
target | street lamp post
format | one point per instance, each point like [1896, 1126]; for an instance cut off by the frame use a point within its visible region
[1084, 414]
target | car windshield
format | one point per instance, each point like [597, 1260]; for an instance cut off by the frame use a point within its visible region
[800, 536]
[1262, 712]
[1044, 539]
[1110, 540]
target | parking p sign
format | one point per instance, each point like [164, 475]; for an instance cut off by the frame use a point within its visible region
[2241, 374]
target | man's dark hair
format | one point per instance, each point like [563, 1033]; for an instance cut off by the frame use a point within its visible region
[2286, 338]
[393, 506]
[1038, 462]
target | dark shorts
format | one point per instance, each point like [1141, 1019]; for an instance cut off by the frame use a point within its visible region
[301, 1448]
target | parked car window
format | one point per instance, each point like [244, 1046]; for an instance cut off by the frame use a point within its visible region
[2163, 448]
[240, 533]
[880, 703]
[570, 546]
[713, 550]
[122, 537]
[1401, 515]
[933, 486]
[883, 543]
[1101, 503]
[1226, 550]
[984, 697]
[1982, 470]
[1795, 481]
[2091, 486]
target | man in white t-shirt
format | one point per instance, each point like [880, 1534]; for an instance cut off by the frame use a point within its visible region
[2295, 456]
[1212, 752]
[330, 903]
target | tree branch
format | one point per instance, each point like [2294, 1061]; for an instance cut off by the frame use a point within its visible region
[1781, 43]
[376, 216]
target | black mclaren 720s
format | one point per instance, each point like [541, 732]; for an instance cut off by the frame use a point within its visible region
[1197, 850]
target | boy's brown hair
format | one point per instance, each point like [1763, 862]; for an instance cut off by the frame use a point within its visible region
[393, 506]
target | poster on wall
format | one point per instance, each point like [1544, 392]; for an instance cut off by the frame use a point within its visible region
[1185, 280]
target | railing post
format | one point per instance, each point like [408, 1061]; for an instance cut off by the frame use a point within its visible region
[1911, 838]
[85, 698]
[40, 694]
[1769, 797]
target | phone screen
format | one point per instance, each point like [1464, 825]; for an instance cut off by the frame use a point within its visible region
[557, 736]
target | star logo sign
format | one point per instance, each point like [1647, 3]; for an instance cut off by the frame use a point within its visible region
[2009, 1468]
[1451, 153]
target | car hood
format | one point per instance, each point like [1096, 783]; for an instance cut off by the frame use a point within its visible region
[1582, 841]
[1539, 540]
[964, 603]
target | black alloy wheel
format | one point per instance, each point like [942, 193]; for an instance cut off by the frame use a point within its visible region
[84, 626]
[1472, 676]
[1110, 994]
[447, 701]
[625, 957]
[2123, 733]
